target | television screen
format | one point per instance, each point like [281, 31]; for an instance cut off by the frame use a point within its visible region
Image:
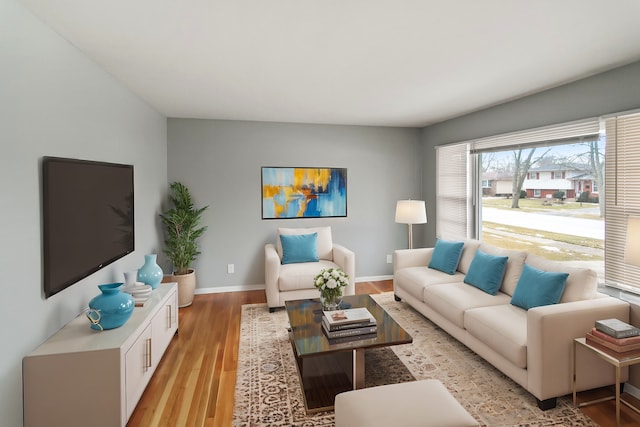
[88, 219]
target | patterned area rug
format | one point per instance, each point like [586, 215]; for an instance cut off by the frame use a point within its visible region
[268, 390]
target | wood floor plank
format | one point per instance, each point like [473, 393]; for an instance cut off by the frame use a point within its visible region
[194, 383]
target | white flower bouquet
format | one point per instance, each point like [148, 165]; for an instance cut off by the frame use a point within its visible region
[330, 282]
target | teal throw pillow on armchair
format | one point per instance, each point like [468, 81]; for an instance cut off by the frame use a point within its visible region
[446, 256]
[486, 272]
[299, 248]
[537, 288]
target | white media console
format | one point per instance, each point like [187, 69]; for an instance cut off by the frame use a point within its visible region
[82, 377]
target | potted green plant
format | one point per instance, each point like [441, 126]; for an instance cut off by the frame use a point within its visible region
[182, 226]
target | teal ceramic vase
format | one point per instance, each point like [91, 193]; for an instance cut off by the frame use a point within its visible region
[150, 273]
[111, 309]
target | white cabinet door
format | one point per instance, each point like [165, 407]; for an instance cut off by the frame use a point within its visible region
[163, 327]
[138, 368]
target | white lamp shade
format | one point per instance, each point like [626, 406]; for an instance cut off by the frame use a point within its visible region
[411, 212]
[632, 249]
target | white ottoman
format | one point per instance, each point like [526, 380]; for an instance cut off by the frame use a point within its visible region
[414, 404]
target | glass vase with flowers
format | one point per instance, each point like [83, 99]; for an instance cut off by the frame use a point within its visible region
[331, 282]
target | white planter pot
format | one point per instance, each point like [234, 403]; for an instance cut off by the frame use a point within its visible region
[186, 287]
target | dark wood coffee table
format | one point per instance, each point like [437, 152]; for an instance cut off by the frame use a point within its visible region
[328, 367]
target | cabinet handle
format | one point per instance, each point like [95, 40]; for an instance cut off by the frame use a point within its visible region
[169, 316]
[148, 354]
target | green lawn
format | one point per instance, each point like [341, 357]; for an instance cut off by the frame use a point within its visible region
[525, 239]
[539, 205]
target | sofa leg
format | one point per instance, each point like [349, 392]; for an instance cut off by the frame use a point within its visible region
[546, 404]
[272, 309]
[396, 297]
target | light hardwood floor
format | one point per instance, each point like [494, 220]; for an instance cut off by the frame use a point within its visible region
[194, 383]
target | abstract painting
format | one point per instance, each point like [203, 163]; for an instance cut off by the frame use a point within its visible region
[303, 192]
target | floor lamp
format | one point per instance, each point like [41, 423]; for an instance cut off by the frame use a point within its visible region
[411, 212]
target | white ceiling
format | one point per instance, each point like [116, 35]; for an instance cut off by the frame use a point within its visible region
[363, 62]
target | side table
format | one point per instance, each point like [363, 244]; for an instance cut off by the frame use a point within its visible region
[618, 362]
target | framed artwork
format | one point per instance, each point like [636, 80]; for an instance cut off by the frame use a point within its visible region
[304, 192]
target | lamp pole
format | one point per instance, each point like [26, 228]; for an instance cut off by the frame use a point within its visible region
[410, 235]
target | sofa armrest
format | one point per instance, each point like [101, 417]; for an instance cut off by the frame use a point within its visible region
[346, 260]
[403, 258]
[551, 330]
[271, 274]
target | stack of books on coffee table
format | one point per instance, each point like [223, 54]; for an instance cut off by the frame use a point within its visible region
[352, 322]
[615, 337]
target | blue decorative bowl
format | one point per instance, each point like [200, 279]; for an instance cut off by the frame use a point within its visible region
[111, 309]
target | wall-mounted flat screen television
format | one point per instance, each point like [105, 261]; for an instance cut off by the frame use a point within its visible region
[88, 220]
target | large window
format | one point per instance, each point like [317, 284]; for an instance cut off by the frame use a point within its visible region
[552, 169]
[458, 167]
[553, 217]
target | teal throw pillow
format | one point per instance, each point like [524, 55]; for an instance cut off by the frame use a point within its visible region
[486, 272]
[299, 248]
[537, 288]
[446, 256]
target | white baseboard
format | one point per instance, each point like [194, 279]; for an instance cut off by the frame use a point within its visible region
[220, 289]
[240, 288]
[373, 278]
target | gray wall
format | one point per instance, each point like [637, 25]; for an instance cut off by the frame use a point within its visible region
[57, 102]
[221, 161]
[611, 92]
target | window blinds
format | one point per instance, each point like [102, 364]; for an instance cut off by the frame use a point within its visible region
[566, 133]
[453, 195]
[622, 195]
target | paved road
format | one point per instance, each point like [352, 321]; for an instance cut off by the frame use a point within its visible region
[563, 223]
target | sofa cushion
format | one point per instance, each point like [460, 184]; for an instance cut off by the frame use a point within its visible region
[299, 248]
[414, 279]
[468, 252]
[503, 328]
[537, 288]
[446, 256]
[300, 275]
[582, 283]
[451, 300]
[514, 266]
[486, 272]
[325, 244]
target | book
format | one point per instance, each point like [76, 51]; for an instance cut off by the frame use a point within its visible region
[353, 339]
[348, 316]
[619, 341]
[349, 332]
[362, 324]
[591, 338]
[620, 356]
[616, 328]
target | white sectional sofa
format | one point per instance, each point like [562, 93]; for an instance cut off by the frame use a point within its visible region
[532, 346]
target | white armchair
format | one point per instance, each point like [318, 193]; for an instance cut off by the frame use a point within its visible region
[293, 281]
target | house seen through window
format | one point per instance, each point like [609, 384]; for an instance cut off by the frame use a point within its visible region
[545, 200]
